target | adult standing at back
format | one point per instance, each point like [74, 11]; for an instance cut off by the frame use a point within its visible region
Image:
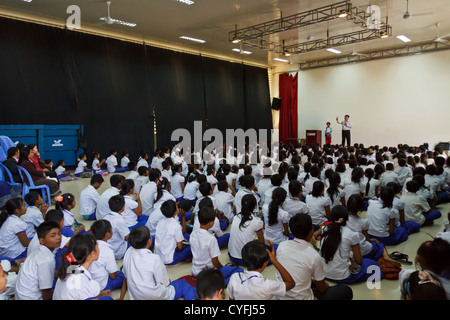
[346, 126]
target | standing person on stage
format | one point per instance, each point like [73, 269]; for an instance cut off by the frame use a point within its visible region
[328, 132]
[346, 126]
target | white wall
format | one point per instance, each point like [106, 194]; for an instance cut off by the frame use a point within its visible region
[390, 101]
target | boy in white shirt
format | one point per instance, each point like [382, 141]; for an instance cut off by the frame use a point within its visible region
[35, 212]
[305, 265]
[389, 176]
[102, 204]
[111, 161]
[224, 200]
[148, 192]
[89, 197]
[276, 181]
[105, 270]
[120, 231]
[251, 284]
[132, 166]
[247, 187]
[35, 278]
[170, 243]
[146, 276]
[204, 247]
[142, 179]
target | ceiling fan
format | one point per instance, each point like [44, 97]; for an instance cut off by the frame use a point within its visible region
[407, 15]
[440, 38]
[110, 21]
[354, 53]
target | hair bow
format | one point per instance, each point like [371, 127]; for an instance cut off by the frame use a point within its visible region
[70, 258]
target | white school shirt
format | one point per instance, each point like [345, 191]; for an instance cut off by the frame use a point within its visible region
[175, 185]
[212, 180]
[231, 177]
[147, 277]
[167, 174]
[111, 162]
[251, 285]
[105, 264]
[103, 205]
[154, 219]
[119, 232]
[190, 190]
[142, 163]
[317, 207]
[238, 199]
[133, 175]
[241, 236]
[336, 198]
[338, 268]
[215, 229]
[204, 247]
[262, 187]
[128, 215]
[351, 188]
[224, 202]
[275, 232]
[379, 218]
[77, 286]
[95, 164]
[373, 184]
[358, 225]
[124, 162]
[302, 262]
[147, 195]
[60, 170]
[89, 198]
[268, 195]
[69, 220]
[168, 234]
[415, 206]
[309, 184]
[33, 218]
[140, 182]
[294, 206]
[36, 274]
[10, 245]
[432, 183]
[387, 177]
[196, 208]
[403, 173]
[80, 166]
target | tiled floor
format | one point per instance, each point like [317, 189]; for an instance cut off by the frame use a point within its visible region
[389, 289]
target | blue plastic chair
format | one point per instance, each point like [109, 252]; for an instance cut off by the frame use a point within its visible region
[26, 188]
[4, 171]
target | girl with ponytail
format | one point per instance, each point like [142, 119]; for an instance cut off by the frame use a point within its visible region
[341, 252]
[276, 219]
[74, 282]
[13, 237]
[133, 207]
[65, 203]
[244, 228]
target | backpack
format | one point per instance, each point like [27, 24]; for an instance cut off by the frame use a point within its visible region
[388, 269]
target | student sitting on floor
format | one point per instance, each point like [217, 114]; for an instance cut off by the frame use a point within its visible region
[204, 246]
[89, 197]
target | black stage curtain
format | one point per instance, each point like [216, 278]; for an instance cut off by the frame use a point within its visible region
[224, 94]
[112, 87]
[177, 91]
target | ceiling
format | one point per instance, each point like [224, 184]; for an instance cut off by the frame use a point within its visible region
[164, 21]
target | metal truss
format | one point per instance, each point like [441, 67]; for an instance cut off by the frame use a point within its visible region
[334, 41]
[420, 48]
[256, 36]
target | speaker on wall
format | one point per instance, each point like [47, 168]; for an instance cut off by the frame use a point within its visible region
[276, 103]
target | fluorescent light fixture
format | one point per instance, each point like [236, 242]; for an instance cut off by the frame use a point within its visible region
[27, 0]
[192, 39]
[282, 60]
[403, 38]
[334, 50]
[241, 51]
[188, 2]
[124, 23]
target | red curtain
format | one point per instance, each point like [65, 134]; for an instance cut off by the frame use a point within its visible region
[288, 127]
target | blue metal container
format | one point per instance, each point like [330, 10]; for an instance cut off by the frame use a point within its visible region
[55, 142]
